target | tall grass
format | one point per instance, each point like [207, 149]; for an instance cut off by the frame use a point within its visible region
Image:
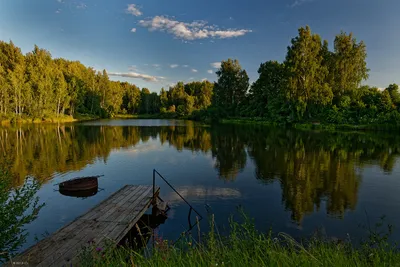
[245, 246]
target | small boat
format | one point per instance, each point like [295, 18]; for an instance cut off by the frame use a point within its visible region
[79, 194]
[80, 184]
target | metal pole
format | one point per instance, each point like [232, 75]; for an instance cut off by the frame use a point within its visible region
[177, 193]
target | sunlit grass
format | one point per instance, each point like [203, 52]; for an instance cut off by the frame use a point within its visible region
[245, 246]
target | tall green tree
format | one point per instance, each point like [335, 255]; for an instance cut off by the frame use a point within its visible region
[349, 66]
[268, 90]
[393, 90]
[232, 85]
[306, 73]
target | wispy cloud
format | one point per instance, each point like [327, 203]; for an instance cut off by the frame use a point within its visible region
[58, 11]
[133, 68]
[210, 71]
[185, 66]
[81, 6]
[135, 75]
[216, 65]
[173, 66]
[156, 65]
[133, 10]
[204, 79]
[133, 30]
[194, 70]
[60, 1]
[300, 2]
[190, 31]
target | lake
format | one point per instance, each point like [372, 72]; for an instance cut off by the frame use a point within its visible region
[297, 182]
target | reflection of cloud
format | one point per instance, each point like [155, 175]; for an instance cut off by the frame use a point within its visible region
[143, 148]
[202, 192]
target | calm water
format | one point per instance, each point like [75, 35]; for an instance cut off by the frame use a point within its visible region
[293, 181]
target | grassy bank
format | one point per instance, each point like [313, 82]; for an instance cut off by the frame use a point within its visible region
[316, 126]
[55, 119]
[245, 246]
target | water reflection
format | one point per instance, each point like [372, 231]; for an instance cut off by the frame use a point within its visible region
[311, 166]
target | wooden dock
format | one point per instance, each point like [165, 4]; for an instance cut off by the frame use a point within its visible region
[110, 220]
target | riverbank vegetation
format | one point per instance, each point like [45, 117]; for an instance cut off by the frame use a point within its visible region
[19, 206]
[313, 85]
[246, 246]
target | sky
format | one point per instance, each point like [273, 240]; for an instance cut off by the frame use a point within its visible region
[156, 43]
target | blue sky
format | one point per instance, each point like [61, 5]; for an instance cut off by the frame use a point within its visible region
[156, 43]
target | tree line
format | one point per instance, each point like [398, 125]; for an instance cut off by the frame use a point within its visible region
[313, 83]
[37, 86]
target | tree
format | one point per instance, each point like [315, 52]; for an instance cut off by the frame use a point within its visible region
[349, 67]
[13, 69]
[394, 93]
[386, 102]
[40, 77]
[163, 98]
[60, 91]
[306, 73]
[231, 88]
[131, 98]
[269, 87]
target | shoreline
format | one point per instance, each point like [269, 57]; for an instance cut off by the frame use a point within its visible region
[52, 120]
[238, 121]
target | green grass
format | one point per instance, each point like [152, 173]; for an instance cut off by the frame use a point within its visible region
[245, 246]
[316, 126]
[48, 119]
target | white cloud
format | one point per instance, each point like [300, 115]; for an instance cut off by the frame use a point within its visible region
[60, 1]
[135, 75]
[156, 65]
[300, 2]
[133, 10]
[194, 70]
[210, 71]
[81, 6]
[216, 65]
[58, 11]
[204, 79]
[173, 66]
[185, 66]
[191, 78]
[133, 30]
[190, 31]
[133, 68]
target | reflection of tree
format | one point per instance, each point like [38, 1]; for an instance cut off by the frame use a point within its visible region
[315, 166]
[310, 166]
[229, 151]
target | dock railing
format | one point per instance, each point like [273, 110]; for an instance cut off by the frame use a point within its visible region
[191, 208]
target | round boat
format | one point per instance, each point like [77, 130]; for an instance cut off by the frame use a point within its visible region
[79, 194]
[80, 184]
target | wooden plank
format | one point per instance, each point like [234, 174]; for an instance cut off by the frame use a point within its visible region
[108, 214]
[49, 244]
[110, 219]
[69, 253]
[119, 230]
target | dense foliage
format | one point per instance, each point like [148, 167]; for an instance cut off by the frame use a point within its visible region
[36, 86]
[18, 207]
[313, 84]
